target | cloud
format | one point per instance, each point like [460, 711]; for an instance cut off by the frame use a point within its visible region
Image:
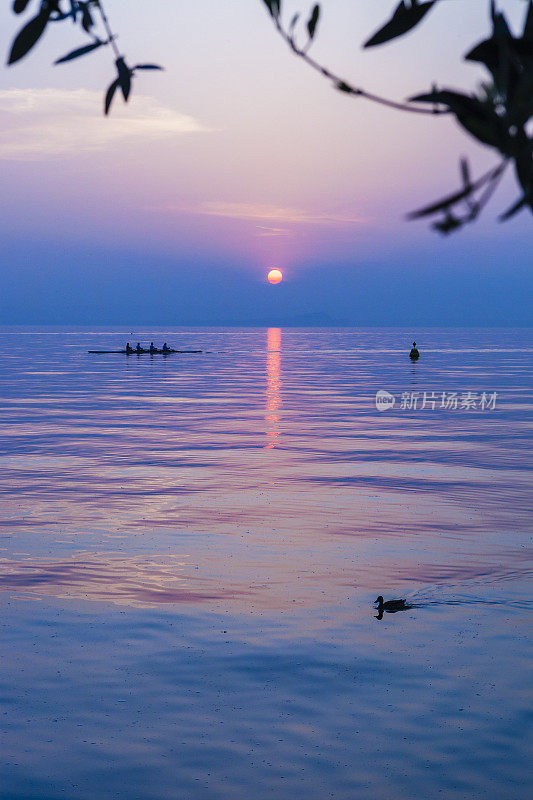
[272, 213]
[267, 231]
[271, 220]
[37, 124]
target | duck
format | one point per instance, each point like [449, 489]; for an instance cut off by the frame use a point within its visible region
[414, 355]
[391, 605]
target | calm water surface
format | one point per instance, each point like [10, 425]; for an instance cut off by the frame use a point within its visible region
[191, 546]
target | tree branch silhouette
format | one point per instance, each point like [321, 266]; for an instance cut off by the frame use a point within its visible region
[497, 114]
[81, 13]
[288, 35]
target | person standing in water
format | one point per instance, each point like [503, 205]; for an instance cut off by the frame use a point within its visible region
[414, 355]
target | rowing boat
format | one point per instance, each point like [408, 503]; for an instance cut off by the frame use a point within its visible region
[143, 352]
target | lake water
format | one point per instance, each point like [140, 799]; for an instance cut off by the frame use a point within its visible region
[191, 547]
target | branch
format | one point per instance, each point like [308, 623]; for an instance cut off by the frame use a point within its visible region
[110, 35]
[496, 116]
[78, 11]
[474, 206]
[340, 83]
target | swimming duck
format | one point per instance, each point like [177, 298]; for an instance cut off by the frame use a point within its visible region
[414, 355]
[391, 605]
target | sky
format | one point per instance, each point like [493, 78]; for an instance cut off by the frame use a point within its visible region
[238, 159]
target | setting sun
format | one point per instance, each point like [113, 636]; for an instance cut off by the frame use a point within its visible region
[275, 276]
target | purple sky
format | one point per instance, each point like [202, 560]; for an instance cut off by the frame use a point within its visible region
[238, 159]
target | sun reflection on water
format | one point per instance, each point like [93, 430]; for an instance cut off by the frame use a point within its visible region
[273, 390]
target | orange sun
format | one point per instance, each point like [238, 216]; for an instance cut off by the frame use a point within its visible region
[275, 276]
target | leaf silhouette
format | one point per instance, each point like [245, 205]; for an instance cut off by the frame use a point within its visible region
[148, 66]
[448, 224]
[527, 34]
[344, 87]
[502, 55]
[485, 52]
[403, 19]
[292, 26]
[524, 173]
[313, 21]
[87, 21]
[440, 205]
[274, 7]
[29, 35]
[522, 101]
[465, 172]
[124, 77]
[514, 208]
[110, 94]
[474, 116]
[81, 51]
[20, 5]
